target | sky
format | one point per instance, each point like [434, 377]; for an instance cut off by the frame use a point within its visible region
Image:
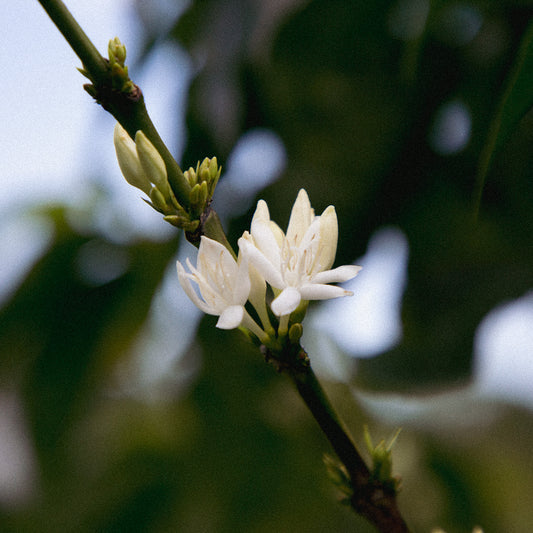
[56, 145]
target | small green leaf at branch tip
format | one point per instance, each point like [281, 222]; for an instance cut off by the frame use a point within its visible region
[91, 90]
[382, 459]
[85, 73]
[339, 476]
[182, 222]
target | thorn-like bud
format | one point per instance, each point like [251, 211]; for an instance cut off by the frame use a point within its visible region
[182, 222]
[382, 459]
[83, 72]
[90, 89]
[339, 476]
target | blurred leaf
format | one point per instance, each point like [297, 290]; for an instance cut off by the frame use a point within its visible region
[516, 101]
[61, 332]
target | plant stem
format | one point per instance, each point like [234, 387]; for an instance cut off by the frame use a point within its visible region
[128, 108]
[371, 498]
[77, 39]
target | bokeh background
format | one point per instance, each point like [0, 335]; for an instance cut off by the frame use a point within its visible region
[123, 409]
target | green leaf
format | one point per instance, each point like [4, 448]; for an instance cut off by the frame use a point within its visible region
[62, 334]
[516, 101]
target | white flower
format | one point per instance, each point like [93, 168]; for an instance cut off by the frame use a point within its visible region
[223, 283]
[297, 264]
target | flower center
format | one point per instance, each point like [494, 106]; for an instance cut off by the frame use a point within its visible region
[298, 261]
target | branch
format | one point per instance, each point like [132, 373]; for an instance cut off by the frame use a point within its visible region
[371, 498]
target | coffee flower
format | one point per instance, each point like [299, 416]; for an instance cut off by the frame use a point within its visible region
[223, 284]
[297, 264]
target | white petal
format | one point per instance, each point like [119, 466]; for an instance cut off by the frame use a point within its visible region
[258, 288]
[241, 283]
[231, 317]
[277, 232]
[262, 264]
[302, 215]
[266, 241]
[316, 291]
[261, 213]
[286, 302]
[337, 275]
[185, 282]
[215, 253]
[329, 234]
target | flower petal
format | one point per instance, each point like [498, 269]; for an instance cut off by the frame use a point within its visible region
[231, 317]
[286, 302]
[241, 283]
[317, 291]
[302, 215]
[337, 275]
[185, 282]
[261, 263]
[261, 213]
[266, 241]
[214, 253]
[329, 234]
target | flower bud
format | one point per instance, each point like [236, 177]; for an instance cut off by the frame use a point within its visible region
[152, 163]
[295, 333]
[128, 160]
[158, 200]
[190, 175]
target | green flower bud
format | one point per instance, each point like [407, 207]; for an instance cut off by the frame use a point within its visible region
[213, 168]
[128, 160]
[203, 194]
[152, 163]
[295, 333]
[194, 195]
[203, 171]
[190, 175]
[158, 200]
[116, 51]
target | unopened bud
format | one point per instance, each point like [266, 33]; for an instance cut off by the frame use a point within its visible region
[190, 175]
[295, 333]
[116, 51]
[158, 200]
[152, 162]
[128, 160]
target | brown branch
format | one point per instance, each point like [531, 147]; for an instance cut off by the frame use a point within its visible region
[371, 498]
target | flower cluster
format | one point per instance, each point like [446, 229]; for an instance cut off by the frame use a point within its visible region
[296, 265]
[144, 168]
